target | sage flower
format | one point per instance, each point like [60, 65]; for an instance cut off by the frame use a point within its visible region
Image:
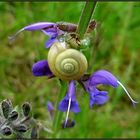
[50, 109]
[101, 77]
[48, 28]
[41, 68]
[97, 97]
[69, 102]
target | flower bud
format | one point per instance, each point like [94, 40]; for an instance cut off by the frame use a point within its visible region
[70, 123]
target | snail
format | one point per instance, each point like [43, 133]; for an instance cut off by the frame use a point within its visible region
[65, 62]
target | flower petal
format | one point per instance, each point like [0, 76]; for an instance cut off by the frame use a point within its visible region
[74, 107]
[71, 90]
[41, 68]
[49, 106]
[52, 31]
[50, 42]
[103, 77]
[98, 97]
[36, 26]
[39, 26]
[63, 106]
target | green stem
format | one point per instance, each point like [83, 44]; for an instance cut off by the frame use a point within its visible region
[82, 27]
[58, 114]
[85, 17]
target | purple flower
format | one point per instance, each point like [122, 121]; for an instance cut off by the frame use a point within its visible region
[69, 100]
[50, 108]
[41, 68]
[97, 97]
[101, 77]
[69, 103]
[49, 28]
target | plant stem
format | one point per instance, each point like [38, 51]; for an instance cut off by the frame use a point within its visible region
[82, 27]
[58, 114]
[85, 17]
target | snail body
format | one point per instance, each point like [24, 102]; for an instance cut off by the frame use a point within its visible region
[66, 63]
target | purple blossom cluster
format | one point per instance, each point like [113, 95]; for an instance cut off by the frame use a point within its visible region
[69, 102]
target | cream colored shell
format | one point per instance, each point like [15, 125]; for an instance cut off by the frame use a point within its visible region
[66, 63]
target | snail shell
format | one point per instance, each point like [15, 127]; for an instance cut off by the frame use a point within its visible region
[66, 63]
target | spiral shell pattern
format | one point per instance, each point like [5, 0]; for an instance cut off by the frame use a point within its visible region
[66, 63]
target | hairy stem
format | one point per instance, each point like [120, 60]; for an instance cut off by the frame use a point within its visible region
[85, 17]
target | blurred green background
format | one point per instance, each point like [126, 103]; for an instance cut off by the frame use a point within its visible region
[116, 47]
